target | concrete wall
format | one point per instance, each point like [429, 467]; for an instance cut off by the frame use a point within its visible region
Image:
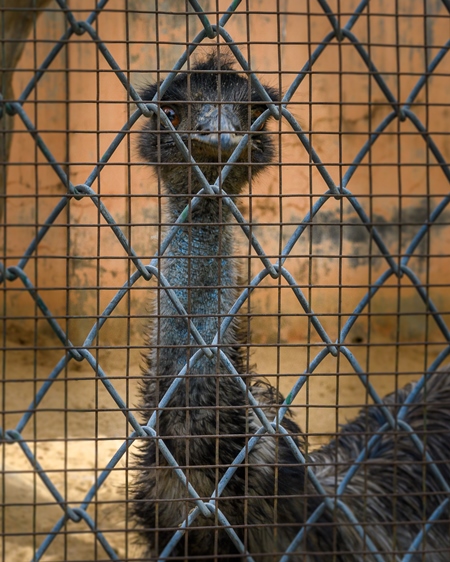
[79, 105]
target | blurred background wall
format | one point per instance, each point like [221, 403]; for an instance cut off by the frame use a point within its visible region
[79, 105]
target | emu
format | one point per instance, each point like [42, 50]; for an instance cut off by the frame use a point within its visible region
[208, 420]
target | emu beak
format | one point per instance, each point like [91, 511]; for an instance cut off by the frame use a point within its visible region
[218, 128]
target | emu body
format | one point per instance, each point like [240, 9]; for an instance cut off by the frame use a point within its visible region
[208, 420]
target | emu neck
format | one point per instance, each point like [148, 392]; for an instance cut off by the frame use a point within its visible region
[199, 266]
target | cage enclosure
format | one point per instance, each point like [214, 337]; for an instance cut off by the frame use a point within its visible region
[290, 219]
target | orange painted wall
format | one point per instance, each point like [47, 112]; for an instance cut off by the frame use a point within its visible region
[78, 112]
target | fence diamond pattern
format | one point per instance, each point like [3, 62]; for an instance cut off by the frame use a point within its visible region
[400, 111]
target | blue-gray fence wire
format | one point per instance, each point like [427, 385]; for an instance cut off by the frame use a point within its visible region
[340, 31]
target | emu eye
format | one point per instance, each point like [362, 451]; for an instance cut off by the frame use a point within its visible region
[173, 116]
[257, 112]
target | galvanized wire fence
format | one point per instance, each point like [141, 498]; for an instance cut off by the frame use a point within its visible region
[402, 109]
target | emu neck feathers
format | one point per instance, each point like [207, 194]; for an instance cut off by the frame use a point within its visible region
[198, 266]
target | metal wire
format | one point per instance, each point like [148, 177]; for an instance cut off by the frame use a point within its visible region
[401, 111]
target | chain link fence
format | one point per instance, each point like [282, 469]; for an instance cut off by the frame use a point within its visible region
[404, 107]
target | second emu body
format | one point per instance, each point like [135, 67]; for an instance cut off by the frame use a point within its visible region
[208, 420]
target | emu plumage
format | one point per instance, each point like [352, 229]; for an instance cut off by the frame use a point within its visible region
[208, 420]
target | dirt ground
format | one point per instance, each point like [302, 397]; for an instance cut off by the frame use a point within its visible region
[77, 408]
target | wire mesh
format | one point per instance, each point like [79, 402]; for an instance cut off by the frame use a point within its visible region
[98, 320]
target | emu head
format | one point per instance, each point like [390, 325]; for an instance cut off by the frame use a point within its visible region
[212, 107]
